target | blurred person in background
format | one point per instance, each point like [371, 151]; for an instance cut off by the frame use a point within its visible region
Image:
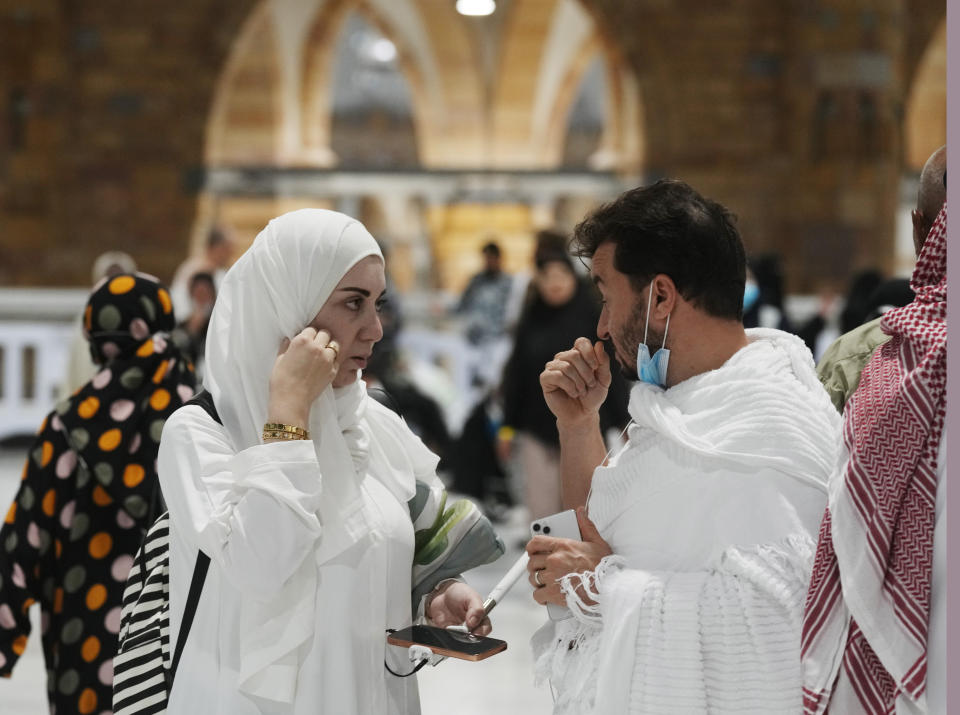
[475, 463]
[561, 307]
[385, 373]
[892, 293]
[483, 307]
[389, 380]
[837, 315]
[190, 335]
[840, 367]
[215, 259]
[89, 491]
[763, 294]
[80, 366]
[856, 306]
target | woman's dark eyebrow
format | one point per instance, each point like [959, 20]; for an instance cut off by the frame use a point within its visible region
[362, 291]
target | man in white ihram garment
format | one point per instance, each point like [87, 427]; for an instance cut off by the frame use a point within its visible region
[687, 591]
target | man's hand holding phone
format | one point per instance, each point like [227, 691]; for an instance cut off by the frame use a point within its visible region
[552, 558]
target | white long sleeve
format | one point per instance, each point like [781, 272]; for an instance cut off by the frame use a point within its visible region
[263, 639]
[254, 513]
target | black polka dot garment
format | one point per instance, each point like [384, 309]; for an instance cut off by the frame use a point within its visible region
[70, 535]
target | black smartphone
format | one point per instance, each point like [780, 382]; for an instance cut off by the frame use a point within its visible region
[465, 646]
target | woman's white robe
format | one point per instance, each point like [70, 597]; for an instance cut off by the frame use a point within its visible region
[712, 511]
[254, 514]
[311, 542]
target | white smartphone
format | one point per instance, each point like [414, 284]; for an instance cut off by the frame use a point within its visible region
[564, 526]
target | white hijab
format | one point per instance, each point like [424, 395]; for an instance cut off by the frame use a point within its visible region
[272, 292]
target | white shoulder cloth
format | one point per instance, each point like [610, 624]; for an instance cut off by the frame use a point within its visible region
[712, 512]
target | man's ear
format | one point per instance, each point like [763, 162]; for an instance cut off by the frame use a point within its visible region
[665, 296]
[916, 218]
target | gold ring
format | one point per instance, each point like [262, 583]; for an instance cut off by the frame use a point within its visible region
[536, 577]
[333, 345]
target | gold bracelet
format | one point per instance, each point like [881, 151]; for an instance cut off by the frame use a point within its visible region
[292, 429]
[283, 436]
[277, 434]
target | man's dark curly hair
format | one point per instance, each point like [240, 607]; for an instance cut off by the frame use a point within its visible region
[669, 228]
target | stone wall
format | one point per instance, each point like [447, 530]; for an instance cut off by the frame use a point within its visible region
[788, 112]
[114, 98]
[791, 112]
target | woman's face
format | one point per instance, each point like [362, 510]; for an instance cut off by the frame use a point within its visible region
[556, 283]
[351, 316]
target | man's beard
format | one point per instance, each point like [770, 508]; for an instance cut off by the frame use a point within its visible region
[631, 336]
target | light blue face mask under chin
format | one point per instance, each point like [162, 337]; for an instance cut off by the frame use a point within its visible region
[653, 370]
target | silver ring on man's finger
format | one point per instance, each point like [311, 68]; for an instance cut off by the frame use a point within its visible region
[536, 577]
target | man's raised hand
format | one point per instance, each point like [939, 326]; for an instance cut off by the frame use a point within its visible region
[576, 381]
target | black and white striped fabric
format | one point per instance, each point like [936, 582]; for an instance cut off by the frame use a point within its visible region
[142, 665]
[143, 669]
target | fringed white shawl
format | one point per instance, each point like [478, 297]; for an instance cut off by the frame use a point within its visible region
[712, 512]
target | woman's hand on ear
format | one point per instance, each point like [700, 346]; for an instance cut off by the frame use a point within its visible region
[303, 369]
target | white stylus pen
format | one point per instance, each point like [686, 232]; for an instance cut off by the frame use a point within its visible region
[500, 590]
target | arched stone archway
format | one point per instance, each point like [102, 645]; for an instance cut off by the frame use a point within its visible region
[924, 131]
[547, 47]
[247, 102]
[925, 126]
[728, 90]
[287, 51]
[316, 110]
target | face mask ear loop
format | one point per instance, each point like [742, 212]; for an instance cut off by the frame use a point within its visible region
[664, 344]
[647, 325]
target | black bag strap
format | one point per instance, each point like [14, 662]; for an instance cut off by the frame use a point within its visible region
[158, 504]
[385, 398]
[193, 600]
[204, 400]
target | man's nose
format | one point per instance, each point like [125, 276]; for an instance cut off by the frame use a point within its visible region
[603, 331]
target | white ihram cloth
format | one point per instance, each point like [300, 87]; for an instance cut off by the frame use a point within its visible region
[712, 511]
[311, 542]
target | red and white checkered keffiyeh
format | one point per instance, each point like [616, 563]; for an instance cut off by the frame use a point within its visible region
[868, 604]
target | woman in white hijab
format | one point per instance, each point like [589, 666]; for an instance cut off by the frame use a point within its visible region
[308, 497]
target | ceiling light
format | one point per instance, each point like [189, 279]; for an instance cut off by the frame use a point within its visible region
[382, 50]
[476, 8]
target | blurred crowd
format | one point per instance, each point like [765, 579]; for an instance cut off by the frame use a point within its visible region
[504, 452]
[98, 448]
